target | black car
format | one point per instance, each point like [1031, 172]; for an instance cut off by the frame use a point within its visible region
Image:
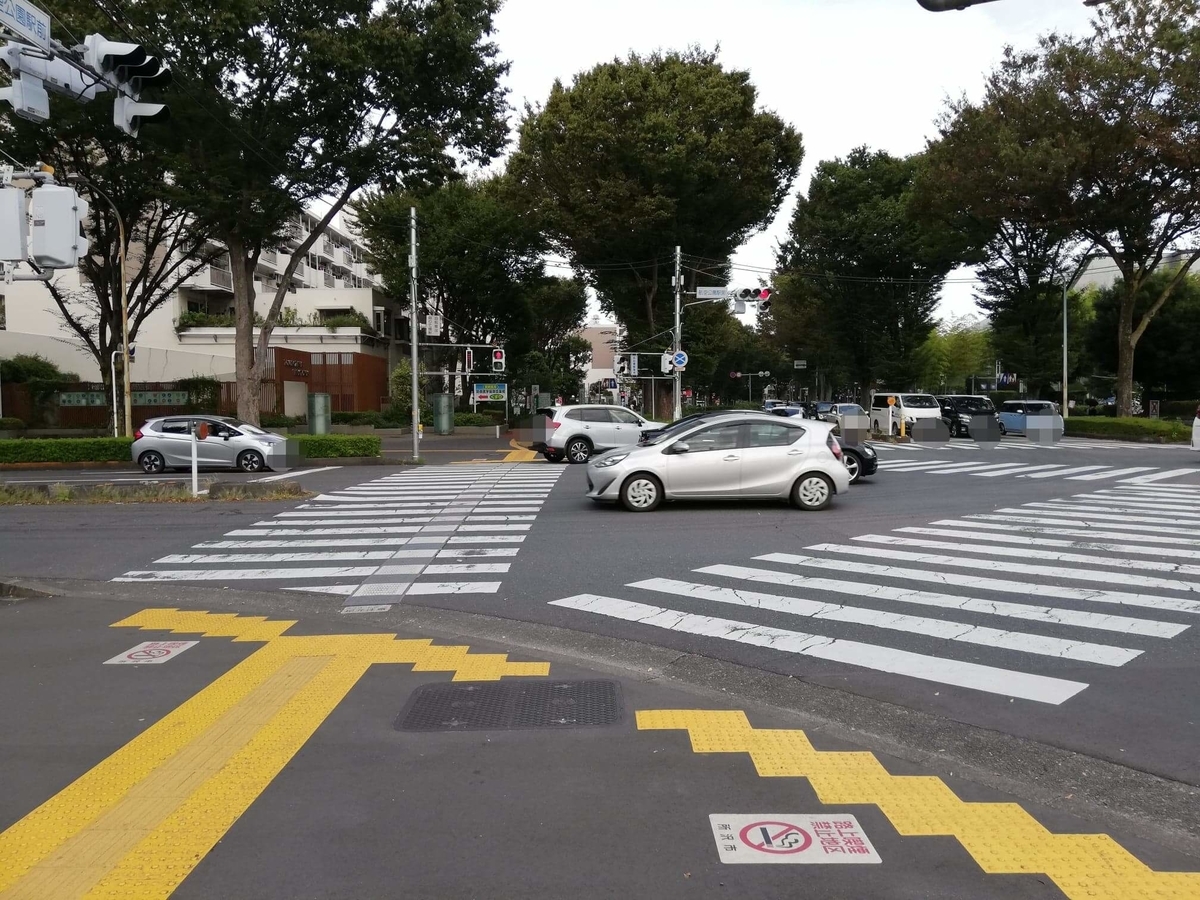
[650, 435]
[861, 461]
[961, 411]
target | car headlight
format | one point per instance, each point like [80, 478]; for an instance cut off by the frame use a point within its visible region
[867, 450]
[611, 460]
[910, 419]
[966, 420]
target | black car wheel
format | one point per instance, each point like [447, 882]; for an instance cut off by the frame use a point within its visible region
[152, 462]
[895, 428]
[553, 456]
[852, 463]
[1003, 430]
[579, 450]
[250, 461]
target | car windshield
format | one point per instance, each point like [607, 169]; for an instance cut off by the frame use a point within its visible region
[243, 426]
[671, 429]
[919, 401]
[974, 404]
[851, 409]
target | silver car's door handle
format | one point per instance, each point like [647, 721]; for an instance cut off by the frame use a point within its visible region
[795, 453]
[731, 458]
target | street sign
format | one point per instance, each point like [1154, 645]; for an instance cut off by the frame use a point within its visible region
[791, 838]
[680, 359]
[610, 383]
[491, 393]
[535, 390]
[150, 652]
[712, 293]
[891, 401]
[799, 363]
[633, 365]
[26, 20]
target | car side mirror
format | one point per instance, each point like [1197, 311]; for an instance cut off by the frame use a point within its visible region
[680, 447]
[227, 437]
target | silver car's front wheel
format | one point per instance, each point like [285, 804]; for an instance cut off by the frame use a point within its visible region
[641, 493]
[250, 461]
[812, 491]
[579, 451]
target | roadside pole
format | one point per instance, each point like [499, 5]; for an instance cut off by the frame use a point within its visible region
[113, 371]
[195, 463]
[1065, 411]
[412, 287]
[678, 331]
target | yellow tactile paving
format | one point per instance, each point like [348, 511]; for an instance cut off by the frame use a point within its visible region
[136, 825]
[1002, 837]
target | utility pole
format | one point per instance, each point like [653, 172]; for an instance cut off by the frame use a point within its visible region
[412, 287]
[1064, 372]
[678, 332]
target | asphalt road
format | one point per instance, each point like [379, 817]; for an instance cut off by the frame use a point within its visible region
[1086, 643]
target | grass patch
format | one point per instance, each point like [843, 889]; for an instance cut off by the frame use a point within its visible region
[165, 492]
[1150, 430]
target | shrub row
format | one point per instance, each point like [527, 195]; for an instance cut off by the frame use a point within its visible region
[11, 423]
[332, 446]
[1158, 430]
[65, 450]
[392, 418]
[1179, 409]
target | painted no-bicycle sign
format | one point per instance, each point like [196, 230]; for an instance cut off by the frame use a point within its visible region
[150, 653]
[791, 838]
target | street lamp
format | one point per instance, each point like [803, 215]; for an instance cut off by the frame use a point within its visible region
[75, 178]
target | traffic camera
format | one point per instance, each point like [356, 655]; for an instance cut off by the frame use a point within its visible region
[621, 366]
[57, 236]
[497, 360]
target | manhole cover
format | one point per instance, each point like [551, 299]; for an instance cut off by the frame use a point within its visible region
[513, 704]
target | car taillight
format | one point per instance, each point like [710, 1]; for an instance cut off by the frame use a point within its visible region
[554, 425]
[834, 447]
[137, 435]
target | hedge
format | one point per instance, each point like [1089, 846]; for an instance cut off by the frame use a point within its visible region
[332, 446]
[11, 423]
[1179, 409]
[65, 450]
[1153, 430]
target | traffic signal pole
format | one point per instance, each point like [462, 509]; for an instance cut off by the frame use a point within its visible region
[678, 333]
[412, 287]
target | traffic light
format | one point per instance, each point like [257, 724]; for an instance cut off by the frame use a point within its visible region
[14, 226]
[622, 366]
[764, 300]
[132, 351]
[497, 360]
[129, 69]
[57, 235]
[469, 361]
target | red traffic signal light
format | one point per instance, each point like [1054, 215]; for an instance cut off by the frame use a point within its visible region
[497, 360]
[764, 294]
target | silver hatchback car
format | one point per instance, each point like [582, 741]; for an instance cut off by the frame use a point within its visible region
[166, 443]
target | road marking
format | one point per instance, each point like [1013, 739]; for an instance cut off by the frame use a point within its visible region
[1050, 614]
[284, 532]
[1129, 501]
[342, 589]
[248, 574]
[1112, 474]
[331, 556]
[140, 821]
[1021, 642]
[1049, 519]
[297, 474]
[1128, 532]
[1014, 567]
[1008, 586]
[1084, 512]
[1075, 471]
[1159, 476]
[466, 568]
[1151, 565]
[453, 587]
[477, 552]
[1030, 541]
[267, 545]
[989, 679]
[1000, 837]
[1000, 468]
[909, 466]
[1017, 471]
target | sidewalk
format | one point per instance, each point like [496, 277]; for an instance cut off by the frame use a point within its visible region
[315, 755]
[442, 449]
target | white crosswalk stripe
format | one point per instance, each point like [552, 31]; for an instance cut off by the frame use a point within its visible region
[1021, 603]
[408, 532]
[1150, 476]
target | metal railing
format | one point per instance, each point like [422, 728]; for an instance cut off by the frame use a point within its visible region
[329, 279]
[270, 257]
[327, 248]
[347, 257]
[221, 278]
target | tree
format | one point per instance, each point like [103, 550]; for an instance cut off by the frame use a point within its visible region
[644, 154]
[284, 105]
[162, 247]
[952, 354]
[1168, 362]
[1094, 137]
[864, 271]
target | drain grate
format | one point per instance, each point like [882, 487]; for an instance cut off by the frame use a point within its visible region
[513, 704]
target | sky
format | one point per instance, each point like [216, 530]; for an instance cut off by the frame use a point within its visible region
[843, 72]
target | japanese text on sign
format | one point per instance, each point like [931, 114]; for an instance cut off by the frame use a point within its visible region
[791, 838]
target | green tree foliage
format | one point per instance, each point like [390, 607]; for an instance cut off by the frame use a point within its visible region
[1168, 360]
[861, 272]
[284, 104]
[640, 155]
[27, 367]
[1092, 137]
[952, 354]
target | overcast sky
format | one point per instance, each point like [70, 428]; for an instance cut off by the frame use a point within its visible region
[844, 72]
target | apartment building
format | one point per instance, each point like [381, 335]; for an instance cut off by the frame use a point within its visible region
[192, 333]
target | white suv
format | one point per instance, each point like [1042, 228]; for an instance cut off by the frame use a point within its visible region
[575, 433]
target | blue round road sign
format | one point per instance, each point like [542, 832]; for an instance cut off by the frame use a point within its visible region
[680, 359]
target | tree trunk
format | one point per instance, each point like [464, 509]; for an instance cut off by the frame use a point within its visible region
[1125, 348]
[248, 387]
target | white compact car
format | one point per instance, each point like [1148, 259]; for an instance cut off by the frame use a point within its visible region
[1196, 431]
[575, 433]
[731, 457]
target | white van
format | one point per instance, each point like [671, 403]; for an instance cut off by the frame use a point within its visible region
[886, 417]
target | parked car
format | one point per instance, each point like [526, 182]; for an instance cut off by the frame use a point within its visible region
[838, 411]
[574, 433]
[166, 443]
[961, 411]
[725, 458]
[1196, 431]
[819, 408]
[791, 409]
[769, 405]
[910, 408]
[1029, 416]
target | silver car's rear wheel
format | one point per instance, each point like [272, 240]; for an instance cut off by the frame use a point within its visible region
[250, 461]
[152, 462]
[851, 463]
[641, 493]
[812, 491]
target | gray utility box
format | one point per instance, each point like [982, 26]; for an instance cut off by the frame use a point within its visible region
[318, 414]
[443, 414]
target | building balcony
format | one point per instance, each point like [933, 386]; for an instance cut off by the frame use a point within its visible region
[330, 281]
[347, 258]
[327, 249]
[210, 279]
[270, 257]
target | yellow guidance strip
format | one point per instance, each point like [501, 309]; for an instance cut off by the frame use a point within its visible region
[1002, 837]
[519, 453]
[140, 821]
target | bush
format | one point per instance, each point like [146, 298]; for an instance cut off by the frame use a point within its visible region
[274, 420]
[1153, 430]
[1179, 409]
[10, 423]
[360, 418]
[65, 450]
[332, 446]
[474, 420]
[26, 367]
[351, 318]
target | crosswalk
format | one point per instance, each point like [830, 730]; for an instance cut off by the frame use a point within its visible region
[1023, 603]
[432, 530]
[914, 447]
[1036, 471]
